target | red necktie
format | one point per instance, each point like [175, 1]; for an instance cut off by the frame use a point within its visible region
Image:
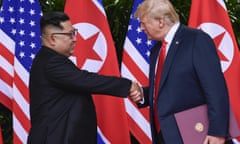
[159, 67]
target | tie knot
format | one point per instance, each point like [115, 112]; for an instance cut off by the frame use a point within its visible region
[164, 43]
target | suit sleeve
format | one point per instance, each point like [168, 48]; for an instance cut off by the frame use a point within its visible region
[208, 69]
[62, 73]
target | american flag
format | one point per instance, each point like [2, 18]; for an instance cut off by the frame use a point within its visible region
[19, 42]
[135, 66]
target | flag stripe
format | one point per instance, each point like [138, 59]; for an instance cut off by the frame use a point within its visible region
[99, 6]
[6, 54]
[6, 89]
[21, 102]
[5, 65]
[20, 132]
[21, 116]
[7, 102]
[136, 56]
[142, 122]
[126, 73]
[7, 41]
[16, 139]
[5, 77]
[21, 72]
[101, 138]
[221, 2]
[137, 131]
[23, 89]
[135, 69]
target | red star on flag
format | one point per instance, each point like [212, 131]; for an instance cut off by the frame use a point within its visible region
[84, 49]
[217, 41]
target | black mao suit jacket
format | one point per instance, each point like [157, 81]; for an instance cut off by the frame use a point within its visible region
[61, 107]
[191, 76]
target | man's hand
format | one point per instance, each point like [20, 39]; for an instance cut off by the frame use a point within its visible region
[136, 93]
[214, 140]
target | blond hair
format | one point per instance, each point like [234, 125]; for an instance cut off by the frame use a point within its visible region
[158, 9]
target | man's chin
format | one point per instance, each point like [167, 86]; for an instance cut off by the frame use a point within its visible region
[150, 38]
[71, 52]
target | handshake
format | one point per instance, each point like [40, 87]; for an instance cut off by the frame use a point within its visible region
[136, 92]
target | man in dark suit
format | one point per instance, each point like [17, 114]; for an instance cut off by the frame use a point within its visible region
[191, 75]
[61, 107]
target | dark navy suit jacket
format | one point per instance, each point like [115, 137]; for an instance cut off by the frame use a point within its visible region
[191, 76]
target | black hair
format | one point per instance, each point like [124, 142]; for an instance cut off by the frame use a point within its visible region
[53, 19]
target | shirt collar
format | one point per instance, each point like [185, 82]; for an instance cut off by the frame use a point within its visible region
[171, 33]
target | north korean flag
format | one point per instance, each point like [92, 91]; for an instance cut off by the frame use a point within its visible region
[212, 17]
[95, 52]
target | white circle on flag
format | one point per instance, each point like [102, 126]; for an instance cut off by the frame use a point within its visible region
[226, 46]
[87, 30]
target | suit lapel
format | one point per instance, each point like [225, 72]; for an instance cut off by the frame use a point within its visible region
[171, 54]
[154, 52]
[153, 60]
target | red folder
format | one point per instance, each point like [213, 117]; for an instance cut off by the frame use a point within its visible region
[193, 125]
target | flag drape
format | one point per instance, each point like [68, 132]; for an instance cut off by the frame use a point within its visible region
[135, 66]
[212, 17]
[19, 42]
[95, 52]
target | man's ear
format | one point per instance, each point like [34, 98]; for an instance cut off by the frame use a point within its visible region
[51, 40]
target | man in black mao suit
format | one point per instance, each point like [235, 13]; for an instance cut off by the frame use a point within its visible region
[191, 75]
[61, 107]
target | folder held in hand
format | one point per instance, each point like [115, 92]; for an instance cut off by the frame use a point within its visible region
[193, 125]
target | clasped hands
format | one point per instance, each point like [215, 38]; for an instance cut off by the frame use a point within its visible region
[136, 93]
